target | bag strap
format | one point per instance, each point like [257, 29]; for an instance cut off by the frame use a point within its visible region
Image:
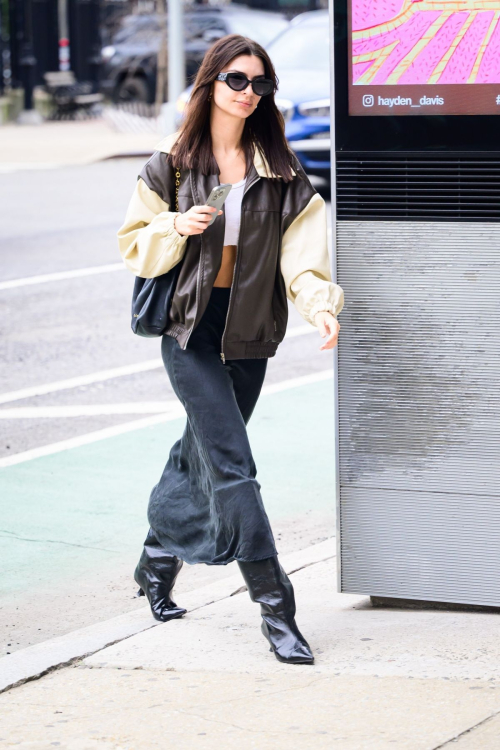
[177, 183]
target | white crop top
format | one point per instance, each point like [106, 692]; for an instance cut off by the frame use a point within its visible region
[232, 211]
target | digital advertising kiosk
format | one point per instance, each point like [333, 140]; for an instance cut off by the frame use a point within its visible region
[415, 100]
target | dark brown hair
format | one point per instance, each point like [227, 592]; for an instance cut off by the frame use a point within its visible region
[265, 126]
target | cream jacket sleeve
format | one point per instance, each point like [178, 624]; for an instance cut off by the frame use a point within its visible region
[148, 243]
[304, 260]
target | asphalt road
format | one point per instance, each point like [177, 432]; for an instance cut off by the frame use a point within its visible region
[74, 497]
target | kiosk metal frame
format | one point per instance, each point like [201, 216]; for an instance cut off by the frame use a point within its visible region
[416, 235]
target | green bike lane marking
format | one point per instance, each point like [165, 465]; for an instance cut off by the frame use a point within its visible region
[86, 506]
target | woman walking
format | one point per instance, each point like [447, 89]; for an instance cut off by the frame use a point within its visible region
[227, 317]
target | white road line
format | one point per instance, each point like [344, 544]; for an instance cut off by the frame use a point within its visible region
[7, 167]
[96, 377]
[91, 437]
[139, 424]
[102, 410]
[84, 410]
[61, 275]
[116, 372]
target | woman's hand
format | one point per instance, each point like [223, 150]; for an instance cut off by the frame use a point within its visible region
[328, 324]
[195, 220]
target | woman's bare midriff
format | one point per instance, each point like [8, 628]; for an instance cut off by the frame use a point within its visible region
[226, 270]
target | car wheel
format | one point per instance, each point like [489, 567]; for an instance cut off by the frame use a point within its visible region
[132, 89]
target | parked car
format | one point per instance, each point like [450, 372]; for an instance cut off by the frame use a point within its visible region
[128, 69]
[300, 54]
[301, 57]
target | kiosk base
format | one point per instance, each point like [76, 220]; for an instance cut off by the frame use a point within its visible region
[385, 601]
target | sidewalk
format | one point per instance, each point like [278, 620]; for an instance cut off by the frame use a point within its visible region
[66, 143]
[383, 678]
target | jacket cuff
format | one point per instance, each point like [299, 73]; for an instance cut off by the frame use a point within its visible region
[325, 296]
[320, 307]
[174, 230]
[168, 219]
[172, 243]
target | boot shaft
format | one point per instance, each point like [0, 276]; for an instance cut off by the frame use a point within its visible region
[269, 586]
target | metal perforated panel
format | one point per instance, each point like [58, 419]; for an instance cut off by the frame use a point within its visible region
[418, 186]
[419, 410]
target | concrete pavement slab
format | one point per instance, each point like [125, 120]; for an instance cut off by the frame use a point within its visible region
[37, 660]
[82, 709]
[347, 635]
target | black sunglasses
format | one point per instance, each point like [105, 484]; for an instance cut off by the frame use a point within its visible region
[238, 82]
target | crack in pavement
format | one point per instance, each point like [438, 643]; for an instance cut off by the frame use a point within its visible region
[11, 535]
[271, 692]
[466, 731]
[248, 729]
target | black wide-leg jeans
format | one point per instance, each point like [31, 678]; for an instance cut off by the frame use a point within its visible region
[207, 506]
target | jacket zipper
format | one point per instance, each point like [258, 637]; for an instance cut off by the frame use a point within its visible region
[247, 187]
[194, 192]
[222, 355]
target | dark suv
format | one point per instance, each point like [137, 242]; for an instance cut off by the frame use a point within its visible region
[128, 70]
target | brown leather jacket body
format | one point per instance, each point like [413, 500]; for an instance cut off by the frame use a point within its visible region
[273, 260]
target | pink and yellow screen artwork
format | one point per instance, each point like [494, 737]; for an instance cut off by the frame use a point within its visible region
[425, 43]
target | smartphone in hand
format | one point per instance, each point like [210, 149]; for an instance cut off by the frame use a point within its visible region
[217, 196]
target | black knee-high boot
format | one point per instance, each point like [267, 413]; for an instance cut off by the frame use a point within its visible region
[155, 573]
[269, 585]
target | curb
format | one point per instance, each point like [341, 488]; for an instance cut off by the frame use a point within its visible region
[35, 661]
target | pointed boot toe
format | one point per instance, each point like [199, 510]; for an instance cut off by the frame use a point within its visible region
[296, 657]
[300, 655]
[287, 643]
[156, 573]
[163, 613]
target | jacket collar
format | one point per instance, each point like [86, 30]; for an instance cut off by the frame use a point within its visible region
[260, 162]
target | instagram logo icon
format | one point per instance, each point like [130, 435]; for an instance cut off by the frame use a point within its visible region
[368, 100]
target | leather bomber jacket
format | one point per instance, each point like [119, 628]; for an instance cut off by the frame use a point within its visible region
[282, 252]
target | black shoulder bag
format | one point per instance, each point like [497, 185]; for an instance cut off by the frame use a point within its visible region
[151, 298]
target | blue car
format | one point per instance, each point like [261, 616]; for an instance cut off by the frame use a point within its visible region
[300, 54]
